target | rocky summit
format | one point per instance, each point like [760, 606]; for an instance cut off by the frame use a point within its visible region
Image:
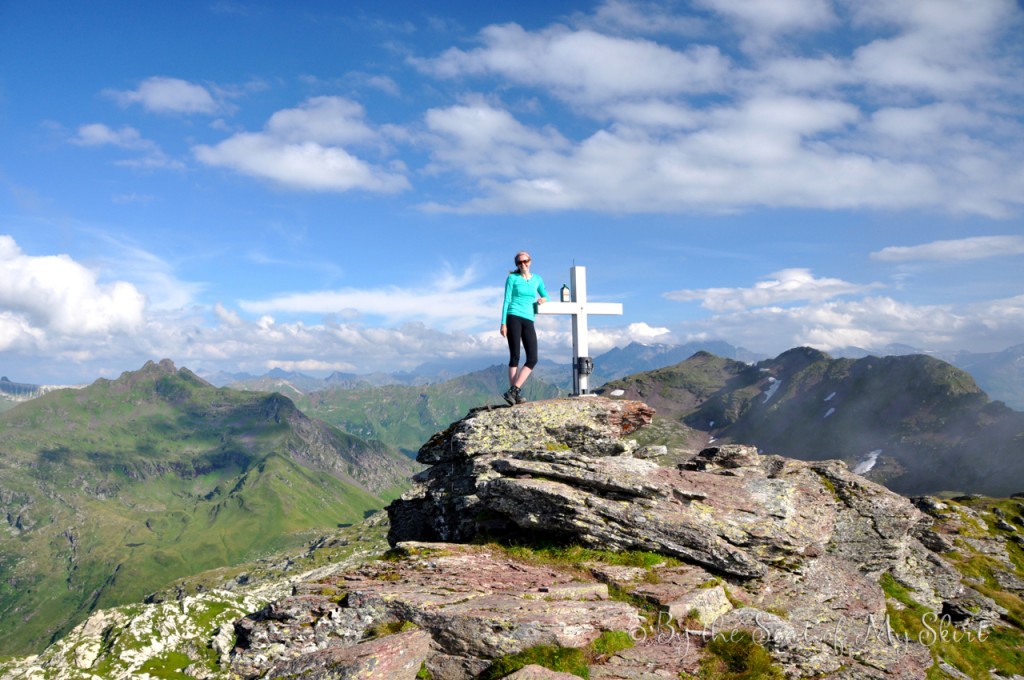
[543, 530]
[802, 545]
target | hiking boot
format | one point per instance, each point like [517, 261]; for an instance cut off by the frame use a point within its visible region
[520, 399]
[511, 395]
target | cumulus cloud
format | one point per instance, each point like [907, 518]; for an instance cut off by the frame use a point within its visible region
[973, 248]
[305, 148]
[942, 48]
[761, 23]
[583, 66]
[167, 95]
[896, 121]
[49, 295]
[786, 286]
[483, 140]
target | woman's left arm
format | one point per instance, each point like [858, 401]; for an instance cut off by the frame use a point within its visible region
[541, 291]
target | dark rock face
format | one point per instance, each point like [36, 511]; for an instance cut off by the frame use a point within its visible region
[446, 503]
[790, 551]
[563, 467]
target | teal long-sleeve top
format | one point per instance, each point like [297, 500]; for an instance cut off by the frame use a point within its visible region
[521, 294]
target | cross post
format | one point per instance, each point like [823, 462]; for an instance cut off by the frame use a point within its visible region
[579, 308]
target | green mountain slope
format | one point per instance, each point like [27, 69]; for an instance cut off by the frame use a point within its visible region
[914, 423]
[405, 416]
[110, 492]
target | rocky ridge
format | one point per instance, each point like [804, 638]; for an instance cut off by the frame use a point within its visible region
[821, 567]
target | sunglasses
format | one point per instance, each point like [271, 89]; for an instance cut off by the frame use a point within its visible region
[527, 261]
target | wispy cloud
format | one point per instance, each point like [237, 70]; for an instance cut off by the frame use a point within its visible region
[448, 301]
[98, 134]
[954, 250]
[786, 286]
[128, 138]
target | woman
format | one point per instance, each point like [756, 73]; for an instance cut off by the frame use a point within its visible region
[523, 292]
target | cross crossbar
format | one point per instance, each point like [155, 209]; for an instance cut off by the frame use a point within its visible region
[580, 309]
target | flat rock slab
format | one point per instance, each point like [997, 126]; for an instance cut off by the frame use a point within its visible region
[535, 672]
[473, 602]
[393, 657]
[594, 426]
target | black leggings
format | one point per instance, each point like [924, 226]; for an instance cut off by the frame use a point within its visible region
[521, 330]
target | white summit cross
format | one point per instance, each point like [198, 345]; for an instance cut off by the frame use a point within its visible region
[582, 364]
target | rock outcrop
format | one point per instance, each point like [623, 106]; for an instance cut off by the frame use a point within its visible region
[806, 559]
[810, 539]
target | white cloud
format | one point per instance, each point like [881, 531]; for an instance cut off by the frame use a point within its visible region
[302, 148]
[448, 301]
[973, 248]
[761, 22]
[645, 18]
[656, 113]
[98, 134]
[229, 317]
[257, 346]
[788, 285]
[322, 120]
[384, 84]
[898, 122]
[17, 333]
[309, 365]
[168, 95]
[871, 322]
[483, 141]
[44, 296]
[944, 47]
[583, 66]
[129, 138]
[765, 151]
[642, 332]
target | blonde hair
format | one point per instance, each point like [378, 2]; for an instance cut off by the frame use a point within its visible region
[516, 260]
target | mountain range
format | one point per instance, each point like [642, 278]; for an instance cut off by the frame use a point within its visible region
[914, 423]
[112, 491]
[1000, 374]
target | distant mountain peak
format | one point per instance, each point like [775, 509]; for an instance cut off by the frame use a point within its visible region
[802, 356]
[928, 423]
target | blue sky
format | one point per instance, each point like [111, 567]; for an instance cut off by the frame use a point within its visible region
[323, 186]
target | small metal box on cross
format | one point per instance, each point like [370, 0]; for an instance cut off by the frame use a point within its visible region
[579, 308]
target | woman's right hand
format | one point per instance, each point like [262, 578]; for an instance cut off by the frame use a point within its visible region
[503, 330]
